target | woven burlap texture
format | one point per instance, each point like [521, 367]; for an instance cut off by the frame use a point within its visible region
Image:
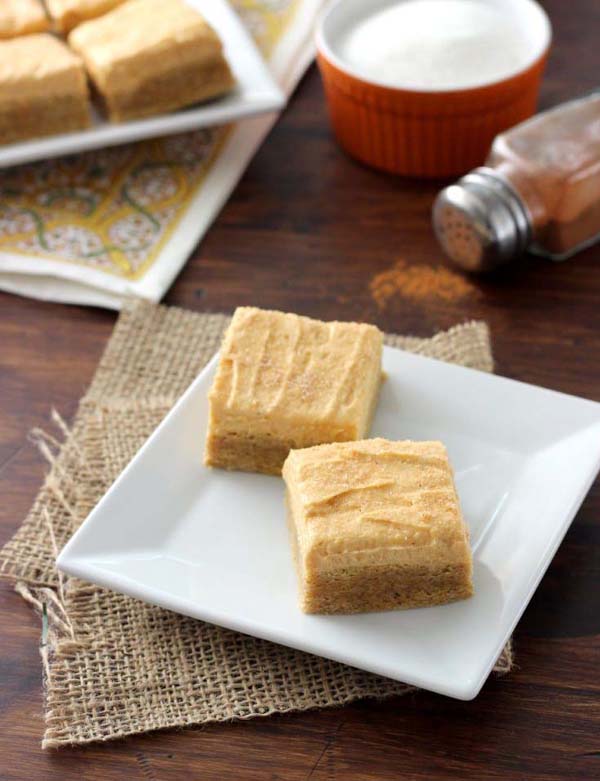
[114, 666]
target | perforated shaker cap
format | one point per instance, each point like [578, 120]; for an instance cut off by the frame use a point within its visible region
[480, 221]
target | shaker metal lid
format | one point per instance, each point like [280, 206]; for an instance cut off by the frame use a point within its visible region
[480, 221]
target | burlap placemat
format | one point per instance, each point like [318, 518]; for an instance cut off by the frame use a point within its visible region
[114, 666]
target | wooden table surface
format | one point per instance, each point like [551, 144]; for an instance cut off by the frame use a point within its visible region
[310, 231]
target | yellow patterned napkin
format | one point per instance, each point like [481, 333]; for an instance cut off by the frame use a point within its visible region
[106, 226]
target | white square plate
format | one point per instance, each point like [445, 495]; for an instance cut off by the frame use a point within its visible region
[213, 544]
[256, 92]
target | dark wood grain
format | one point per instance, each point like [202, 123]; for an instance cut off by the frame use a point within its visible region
[308, 230]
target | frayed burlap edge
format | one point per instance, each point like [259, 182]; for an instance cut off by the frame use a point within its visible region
[114, 666]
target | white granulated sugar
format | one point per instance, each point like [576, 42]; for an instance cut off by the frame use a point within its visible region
[436, 44]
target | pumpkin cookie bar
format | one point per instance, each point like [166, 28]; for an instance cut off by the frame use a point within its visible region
[20, 17]
[376, 525]
[67, 14]
[286, 381]
[152, 56]
[43, 88]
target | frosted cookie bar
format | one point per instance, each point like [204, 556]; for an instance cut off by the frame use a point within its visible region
[43, 88]
[152, 56]
[67, 14]
[376, 525]
[20, 17]
[286, 381]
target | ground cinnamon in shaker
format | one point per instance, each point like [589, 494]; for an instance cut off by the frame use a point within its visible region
[539, 190]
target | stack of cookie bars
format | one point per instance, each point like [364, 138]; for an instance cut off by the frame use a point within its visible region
[141, 57]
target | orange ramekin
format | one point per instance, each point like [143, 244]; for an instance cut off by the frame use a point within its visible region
[421, 133]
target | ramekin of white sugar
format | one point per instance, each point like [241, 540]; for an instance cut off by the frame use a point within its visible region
[421, 87]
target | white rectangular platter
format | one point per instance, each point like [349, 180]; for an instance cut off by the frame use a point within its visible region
[213, 544]
[256, 92]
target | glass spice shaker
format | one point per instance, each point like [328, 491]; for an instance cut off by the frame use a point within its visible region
[539, 191]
